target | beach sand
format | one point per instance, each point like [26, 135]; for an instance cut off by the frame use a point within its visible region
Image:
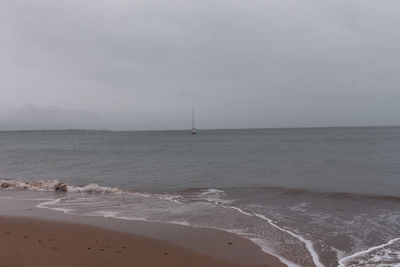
[38, 237]
[30, 242]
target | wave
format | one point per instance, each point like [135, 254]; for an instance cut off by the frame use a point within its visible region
[212, 191]
[56, 186]
[211, 194]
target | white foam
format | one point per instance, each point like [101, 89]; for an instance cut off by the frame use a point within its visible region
[299, 207]
[309, 245]
[241, 211]
[106, 213]
[212, 191]
[49, 202]
[94, 188]
[339, 253]
[214, 196]
[172, 198]
[306, 242]
[343, 261]
[40, 185]
[53, 185]
[185, 223]
[52, 202]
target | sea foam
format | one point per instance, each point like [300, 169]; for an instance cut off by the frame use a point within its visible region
[55, 185]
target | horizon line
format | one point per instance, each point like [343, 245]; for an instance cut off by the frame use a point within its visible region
[204, 129]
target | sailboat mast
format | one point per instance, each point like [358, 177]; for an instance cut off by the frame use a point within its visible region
[194, 130]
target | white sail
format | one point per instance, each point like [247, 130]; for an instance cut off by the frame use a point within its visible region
[194, 130]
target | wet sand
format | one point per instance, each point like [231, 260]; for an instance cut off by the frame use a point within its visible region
[39, 237]
[31, 242]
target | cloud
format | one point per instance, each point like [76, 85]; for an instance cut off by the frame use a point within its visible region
[239, 63]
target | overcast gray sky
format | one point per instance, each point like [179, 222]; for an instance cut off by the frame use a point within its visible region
[129, 65]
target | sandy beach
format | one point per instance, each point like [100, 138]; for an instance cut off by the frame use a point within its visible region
[37, 237]
[30, 242]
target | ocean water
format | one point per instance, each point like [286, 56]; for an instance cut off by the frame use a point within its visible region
[312, 196]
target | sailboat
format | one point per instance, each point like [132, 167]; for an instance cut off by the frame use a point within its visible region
[194, 130]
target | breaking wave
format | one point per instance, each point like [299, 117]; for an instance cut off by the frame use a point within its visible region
[56, 186]
[211, 194]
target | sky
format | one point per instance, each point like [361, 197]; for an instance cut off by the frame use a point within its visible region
[144, 64]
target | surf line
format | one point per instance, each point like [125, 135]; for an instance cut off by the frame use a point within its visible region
[342, 261]
[52, 202]
[309, 245]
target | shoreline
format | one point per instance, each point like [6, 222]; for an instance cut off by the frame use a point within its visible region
[208, 247]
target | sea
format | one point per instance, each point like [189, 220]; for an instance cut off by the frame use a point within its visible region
[310, 196]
